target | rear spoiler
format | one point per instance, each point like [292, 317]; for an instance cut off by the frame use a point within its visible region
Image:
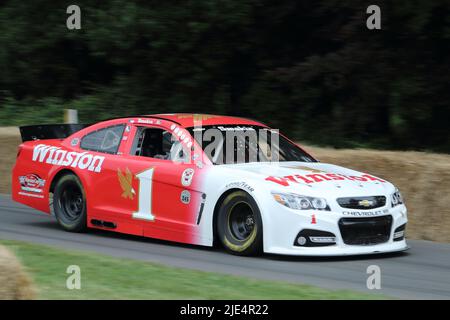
[49, 131]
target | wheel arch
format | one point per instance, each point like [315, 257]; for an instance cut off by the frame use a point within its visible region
[217, 207]
[75, 225]
[58, 176]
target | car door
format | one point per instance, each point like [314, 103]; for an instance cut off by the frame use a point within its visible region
[154, 187]
[105, 203]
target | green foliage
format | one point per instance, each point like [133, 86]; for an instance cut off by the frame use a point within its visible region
[312, 69]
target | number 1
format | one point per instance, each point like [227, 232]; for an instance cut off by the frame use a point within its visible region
[145, 196]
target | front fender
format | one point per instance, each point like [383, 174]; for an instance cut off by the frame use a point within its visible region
[215, 188]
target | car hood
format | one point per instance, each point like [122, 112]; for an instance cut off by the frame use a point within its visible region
[314, 178]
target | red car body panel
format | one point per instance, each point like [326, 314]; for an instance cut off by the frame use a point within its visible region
[40, 162]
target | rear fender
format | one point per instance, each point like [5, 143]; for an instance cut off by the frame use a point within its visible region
[30, 182]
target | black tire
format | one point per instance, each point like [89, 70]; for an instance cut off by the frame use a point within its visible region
[239, 225]
[69, 203]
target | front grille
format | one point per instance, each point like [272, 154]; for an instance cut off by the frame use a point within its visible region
[365, 231]
[362, 203]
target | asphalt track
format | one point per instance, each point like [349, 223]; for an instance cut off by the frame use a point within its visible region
[423, 272]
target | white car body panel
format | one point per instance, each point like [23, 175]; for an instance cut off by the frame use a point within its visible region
[281, 224]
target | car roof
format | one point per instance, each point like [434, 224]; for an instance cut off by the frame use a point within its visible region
[191, 119]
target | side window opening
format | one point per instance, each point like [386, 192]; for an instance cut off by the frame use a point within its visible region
[159, 144]
[105, 140]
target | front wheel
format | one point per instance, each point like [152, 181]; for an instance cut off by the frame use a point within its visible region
[239, 224]
[69, 204]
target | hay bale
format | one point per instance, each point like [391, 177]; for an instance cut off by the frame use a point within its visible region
[423, 179]
[8, 145]
[14, 282]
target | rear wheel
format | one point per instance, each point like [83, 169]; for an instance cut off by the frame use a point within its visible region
[239, 224]
[69, 203]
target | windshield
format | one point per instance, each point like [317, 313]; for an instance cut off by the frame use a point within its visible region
[229, 144]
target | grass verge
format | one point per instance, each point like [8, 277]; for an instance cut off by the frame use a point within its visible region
[104, 277]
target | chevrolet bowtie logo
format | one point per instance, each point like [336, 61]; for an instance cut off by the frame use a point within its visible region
[365, 203]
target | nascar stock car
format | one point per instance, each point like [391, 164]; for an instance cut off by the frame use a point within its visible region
[165, 176]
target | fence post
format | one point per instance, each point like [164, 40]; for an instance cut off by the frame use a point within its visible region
[70, 116]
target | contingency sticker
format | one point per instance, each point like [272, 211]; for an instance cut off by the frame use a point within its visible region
[31, 183]
[185, 197]
[186, 177]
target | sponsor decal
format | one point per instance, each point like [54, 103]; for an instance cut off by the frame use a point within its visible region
[60, 157]
[182, 135]
[199, 164]
[33, 195]
[186, 177]
[74, 142]
[241, 185]
[31, 183]
[145, 121]
[126, 181]
[185, 197]
[320, 177]
[237, 128]
[365, 213]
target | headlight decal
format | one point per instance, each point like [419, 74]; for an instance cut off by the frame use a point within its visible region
[300, 202]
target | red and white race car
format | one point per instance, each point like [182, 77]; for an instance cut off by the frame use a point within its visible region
[180, 177]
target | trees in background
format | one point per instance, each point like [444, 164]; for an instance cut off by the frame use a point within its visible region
[311, 68]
